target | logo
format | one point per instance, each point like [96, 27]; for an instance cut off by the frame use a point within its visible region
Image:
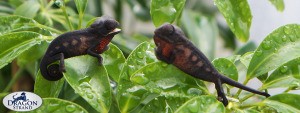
[22, 101]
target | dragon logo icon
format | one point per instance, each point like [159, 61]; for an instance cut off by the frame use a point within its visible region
[22, 101]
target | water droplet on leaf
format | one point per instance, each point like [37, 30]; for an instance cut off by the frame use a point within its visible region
[59, 3]
[166, 83]
[283, 69]
[140, 79]
[259, 53]
[90, 96]
[292, 38]
[140, 54]
[284, 38]
[52, 107]
[266, 45]
[194, 91]
[70, 108]
[287, 30]
[193, 107]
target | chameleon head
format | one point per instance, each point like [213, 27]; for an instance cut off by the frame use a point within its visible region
[106, 26]
[168, 33]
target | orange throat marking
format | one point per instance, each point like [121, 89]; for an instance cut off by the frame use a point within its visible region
[103, 43]
[166, 47]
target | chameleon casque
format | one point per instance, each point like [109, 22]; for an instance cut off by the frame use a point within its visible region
[92, 41]
[174, 48]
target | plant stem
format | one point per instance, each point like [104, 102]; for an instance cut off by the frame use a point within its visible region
[288, 89]
[80, 20]
[250, 105]
[246, 97]
[13, 80]
[66, 16]
[48, 28]
[240, 90]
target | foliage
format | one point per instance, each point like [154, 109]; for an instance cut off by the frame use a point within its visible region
[131, 79]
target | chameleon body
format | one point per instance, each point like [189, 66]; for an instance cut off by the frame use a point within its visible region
[174, 48]
[92, 40]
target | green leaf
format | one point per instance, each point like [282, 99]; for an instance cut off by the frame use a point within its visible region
[14, 23]
[13, 44]
[201, 30]
[284, 103]
[28, 9]
[80, 5]
[278, 48]
[140, 57]
[279, 4]
[234, 58]
[226, 67]
[246, 58]
[165, 81]
[205, 104]
[27, 57]
[163, 11]
[55, 105]
[45, 88]
[113, 60]
[288, 75]
[90, 80]
[161, 104]
[238, 16]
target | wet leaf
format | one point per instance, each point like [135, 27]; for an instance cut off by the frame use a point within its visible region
[279, 4]
[45, 88]
[170, 84]
[163, 11]
[237, 15]
[205, 104]
[15, 23]
[113, 60]
[284, 103]
[14, 44]
[287, 75]
[226, 67]
[278, 48]
[90, 80]
[55, 105]
[138, 58]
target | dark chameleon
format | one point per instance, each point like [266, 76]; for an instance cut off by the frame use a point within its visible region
[92, 41]
[174, 48]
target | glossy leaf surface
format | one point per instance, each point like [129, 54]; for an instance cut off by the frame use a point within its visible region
[163, 11]
[278, 48]
[90, 80]
[237, 15]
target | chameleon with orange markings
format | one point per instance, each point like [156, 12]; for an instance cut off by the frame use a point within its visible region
[174, 48]
[92, 41]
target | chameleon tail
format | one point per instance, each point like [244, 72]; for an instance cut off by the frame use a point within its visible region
[51, 72]
[231, 82]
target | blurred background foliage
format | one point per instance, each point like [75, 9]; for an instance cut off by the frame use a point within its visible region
[200, 20]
